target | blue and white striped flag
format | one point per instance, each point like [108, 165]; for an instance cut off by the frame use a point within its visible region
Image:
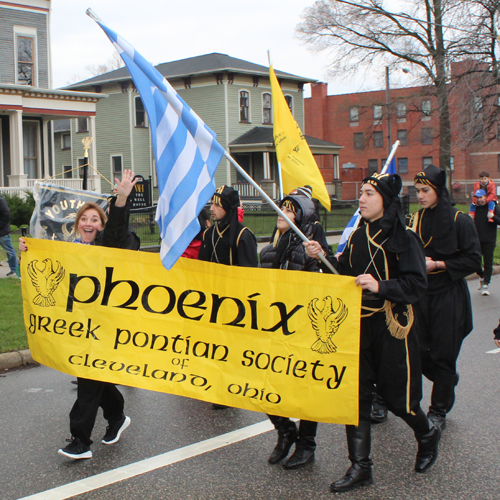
[186, 153]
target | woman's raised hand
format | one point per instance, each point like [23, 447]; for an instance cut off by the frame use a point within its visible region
[124, 187]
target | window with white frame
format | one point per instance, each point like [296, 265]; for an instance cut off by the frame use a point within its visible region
[289, 101]
[140, 113]
[244, 106]
[267, 109]
[402, 165]
[378, 139]
[30, 149]
[68, 174]
[117, 166]
[452, 163]
[426, 107]
[354, 114]
[377, 112]
[25, 48]
[401, 110]
[66, 141]
[403, 137]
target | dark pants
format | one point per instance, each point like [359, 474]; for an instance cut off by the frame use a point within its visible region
[487, 249]
[91, 395]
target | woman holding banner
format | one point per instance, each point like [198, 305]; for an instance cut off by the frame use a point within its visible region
[93, 227]
[287, 252]
[389, 265]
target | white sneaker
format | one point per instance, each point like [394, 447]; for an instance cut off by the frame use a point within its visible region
[485, 290]
[481, 281]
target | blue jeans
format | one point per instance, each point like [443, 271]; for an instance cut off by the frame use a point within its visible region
[6, 244]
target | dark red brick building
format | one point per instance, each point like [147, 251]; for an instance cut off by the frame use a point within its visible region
[366, 124]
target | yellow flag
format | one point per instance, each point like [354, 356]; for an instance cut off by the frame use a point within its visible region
[298, 166]
[268, 340]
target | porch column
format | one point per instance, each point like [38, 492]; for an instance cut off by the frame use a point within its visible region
[266, 166]
[93, 176]
[17, 177]
[45, 147]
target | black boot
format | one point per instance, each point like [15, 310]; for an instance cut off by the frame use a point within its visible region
[304, 447]
[360, 472]
[427, 449]
[427, 435]
[379, 410]
[287, 435]
[442, 399]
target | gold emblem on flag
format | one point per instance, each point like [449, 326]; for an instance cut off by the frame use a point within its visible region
[325, 322]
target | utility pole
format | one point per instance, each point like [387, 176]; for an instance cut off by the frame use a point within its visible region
[388, 106]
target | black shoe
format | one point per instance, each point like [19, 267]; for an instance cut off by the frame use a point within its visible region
[300, 458]
[427, 450]
[217, 406]
[75, 449]
[114, 431]
[285, 442]
[378, 415]
[355, 476]
[437, 418]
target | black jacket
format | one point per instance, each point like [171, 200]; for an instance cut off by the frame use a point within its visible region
[487, 231]
[4, 217]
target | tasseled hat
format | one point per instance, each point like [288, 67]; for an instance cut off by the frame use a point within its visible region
[393, 220]
[229, 199]
[443, 228]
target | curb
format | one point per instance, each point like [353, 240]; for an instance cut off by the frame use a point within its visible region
[15, 359]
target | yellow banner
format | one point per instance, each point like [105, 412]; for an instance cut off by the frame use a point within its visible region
[280, 342]
[298, 166]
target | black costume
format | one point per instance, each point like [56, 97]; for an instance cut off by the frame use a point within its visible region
[93, 394]
[286, 251]
[445, 312]
[389, 355]
[487, 234]
[229, 241]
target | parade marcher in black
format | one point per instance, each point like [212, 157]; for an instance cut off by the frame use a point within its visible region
[389, 264]
[287, 252]
[228, 241]
[94, 228]
[486, 227]
[445, 313]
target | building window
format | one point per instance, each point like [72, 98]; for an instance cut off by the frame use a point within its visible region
[377, 112]
[426, 161]
[68, 174]
[244, 106]
[452, 163]
[81, 162]
[478, 103]
[25, 60]
[289, 101]
[402, 165]
[426, 107]
[82, 125]
[403, 137]
[354, 114]
[358, 140]
[478, 133]
[30, 149]
[378, 139]
[372, 166]
[426, 136]
[116, 166]
[267, 109]
[66, 141]
[401, 110]
[140, 113]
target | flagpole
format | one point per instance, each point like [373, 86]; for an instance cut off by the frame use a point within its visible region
[276, 208]
[390, 157]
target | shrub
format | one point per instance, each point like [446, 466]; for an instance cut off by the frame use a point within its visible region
[20, 209]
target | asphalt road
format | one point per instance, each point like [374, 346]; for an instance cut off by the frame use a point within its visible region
[177, 448]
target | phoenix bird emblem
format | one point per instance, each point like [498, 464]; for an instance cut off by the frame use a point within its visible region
[325, 323]
[45, 281]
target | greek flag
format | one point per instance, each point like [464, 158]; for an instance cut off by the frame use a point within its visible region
[186, 153]
[353, 224]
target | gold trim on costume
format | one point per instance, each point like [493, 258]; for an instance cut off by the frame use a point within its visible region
[396, 329]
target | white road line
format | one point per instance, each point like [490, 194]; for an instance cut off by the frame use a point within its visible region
[150, 464]
[494, 351]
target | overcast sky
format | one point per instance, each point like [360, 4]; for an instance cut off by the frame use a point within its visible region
[167, 30]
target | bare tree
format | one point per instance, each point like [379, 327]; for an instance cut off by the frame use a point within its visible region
[114, 62]
[425, 34]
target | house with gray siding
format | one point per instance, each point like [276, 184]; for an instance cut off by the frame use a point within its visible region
[232, 96]
[28, 104]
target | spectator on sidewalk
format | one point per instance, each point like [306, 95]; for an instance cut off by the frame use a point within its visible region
[5, 240]
[486, 228]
